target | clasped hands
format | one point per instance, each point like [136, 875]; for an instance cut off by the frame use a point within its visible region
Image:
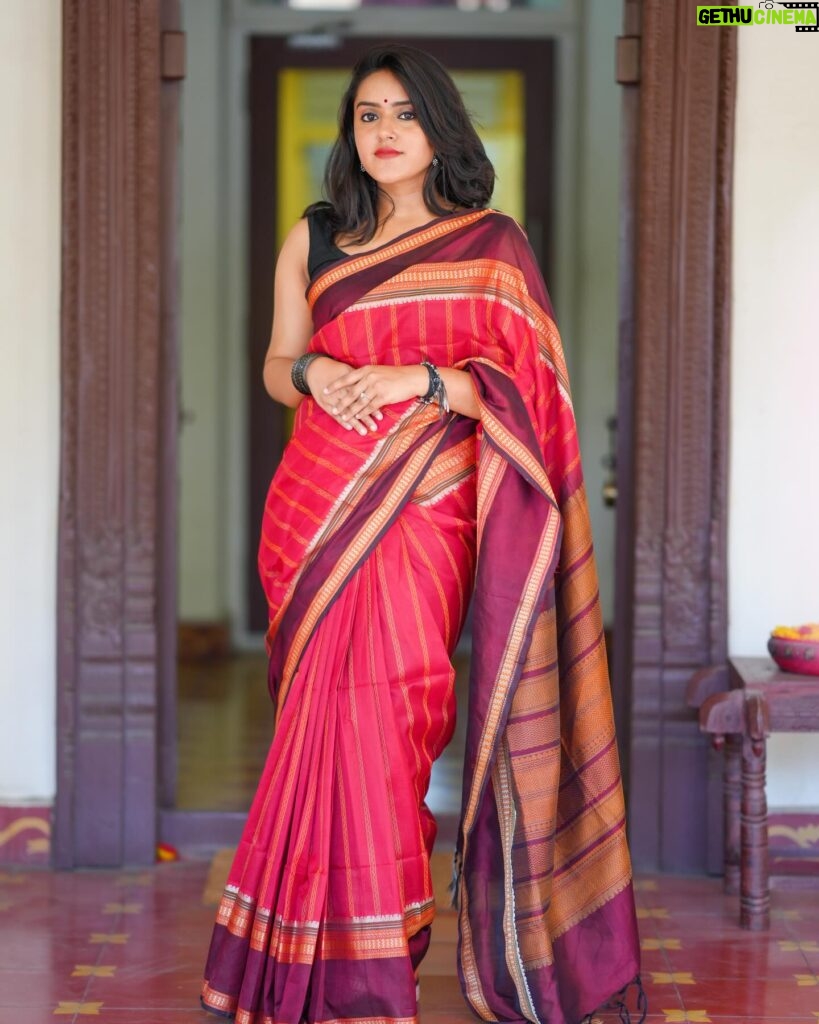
[354, 396]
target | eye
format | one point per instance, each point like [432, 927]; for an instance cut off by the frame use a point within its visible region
[407, 115]
[368, 116]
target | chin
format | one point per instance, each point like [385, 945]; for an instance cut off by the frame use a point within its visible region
[385, 178]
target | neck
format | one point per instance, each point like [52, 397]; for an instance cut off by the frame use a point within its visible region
[403, 206]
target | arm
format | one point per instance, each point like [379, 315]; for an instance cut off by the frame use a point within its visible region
[292, 330]
[335, 386]
[292, 324]
[461, 392]
[384, 385]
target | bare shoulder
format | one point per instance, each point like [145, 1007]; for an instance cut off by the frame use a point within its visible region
[292, 324]
[291, 265]
[296, 246]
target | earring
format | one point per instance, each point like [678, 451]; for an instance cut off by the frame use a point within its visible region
[362, 168]
[435, 161]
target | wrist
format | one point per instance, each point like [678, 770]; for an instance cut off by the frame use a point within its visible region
[299, 371]
[420, 384]
[319, 356]
[436, 389]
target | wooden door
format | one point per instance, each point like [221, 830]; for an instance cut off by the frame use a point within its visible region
[122, 62]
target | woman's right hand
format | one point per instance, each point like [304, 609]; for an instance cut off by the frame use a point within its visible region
[291, 334]
[320, 374]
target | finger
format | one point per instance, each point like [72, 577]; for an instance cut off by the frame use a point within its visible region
[352, 424]
[346, 380]
[337, 385]
[362, 403]
[345, 419]
[359, 426]
[341, 401]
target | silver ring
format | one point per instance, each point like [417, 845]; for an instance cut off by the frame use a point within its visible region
[363, 395]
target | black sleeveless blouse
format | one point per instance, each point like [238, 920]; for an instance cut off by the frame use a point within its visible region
[323, 250]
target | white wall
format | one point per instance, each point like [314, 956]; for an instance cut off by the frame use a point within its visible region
[774, 485]
[30, 55]
[205, 343]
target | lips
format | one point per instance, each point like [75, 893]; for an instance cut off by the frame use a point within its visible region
[386, 153]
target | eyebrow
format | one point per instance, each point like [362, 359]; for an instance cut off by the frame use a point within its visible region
[372, 103]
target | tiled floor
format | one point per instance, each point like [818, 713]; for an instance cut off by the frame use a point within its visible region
[128, 947]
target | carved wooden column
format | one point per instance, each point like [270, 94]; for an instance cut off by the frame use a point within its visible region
[107, 589]
[672, 546]
[754, 894]
[733, 808]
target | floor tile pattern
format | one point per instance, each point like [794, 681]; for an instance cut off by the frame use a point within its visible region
[127, 947]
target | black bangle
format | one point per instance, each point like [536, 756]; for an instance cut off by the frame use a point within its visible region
[437, 389]
[435, 382]
[299, 369]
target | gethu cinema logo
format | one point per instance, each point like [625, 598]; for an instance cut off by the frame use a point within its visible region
[801, 15]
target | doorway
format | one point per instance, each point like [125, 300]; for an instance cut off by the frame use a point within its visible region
[672, 569]
[223, 707]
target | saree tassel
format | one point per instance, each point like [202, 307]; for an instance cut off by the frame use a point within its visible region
[618, 1002]
[454, 889]
[642, 1003]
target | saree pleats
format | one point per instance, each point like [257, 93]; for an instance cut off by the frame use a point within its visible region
[329, 901]
[371, 549]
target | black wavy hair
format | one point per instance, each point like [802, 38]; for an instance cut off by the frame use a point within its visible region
[464, 176]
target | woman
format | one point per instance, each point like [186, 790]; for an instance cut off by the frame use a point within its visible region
[434, 457]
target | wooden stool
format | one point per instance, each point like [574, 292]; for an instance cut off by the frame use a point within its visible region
[739, 706]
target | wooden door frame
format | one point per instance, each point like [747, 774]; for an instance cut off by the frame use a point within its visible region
[673, 423]
[116, 562]
[118, 386]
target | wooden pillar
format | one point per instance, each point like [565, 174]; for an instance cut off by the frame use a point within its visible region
[110, 362]
[672, 537]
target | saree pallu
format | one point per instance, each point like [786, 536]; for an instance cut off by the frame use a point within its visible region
[371, 547]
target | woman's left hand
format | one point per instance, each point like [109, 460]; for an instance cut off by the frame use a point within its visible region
[365, 390]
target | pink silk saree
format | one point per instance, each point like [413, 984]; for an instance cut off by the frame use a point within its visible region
[371, 548]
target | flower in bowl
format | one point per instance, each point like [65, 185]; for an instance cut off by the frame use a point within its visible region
[796, 648]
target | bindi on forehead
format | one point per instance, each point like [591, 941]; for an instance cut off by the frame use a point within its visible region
[386, 102]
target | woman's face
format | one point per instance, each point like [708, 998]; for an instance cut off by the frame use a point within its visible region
[390, 141]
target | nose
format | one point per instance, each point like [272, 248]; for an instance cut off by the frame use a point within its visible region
[386, 130]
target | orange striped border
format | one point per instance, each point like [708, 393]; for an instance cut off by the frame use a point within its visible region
[353, 264]
[474, 991]
[350, 558]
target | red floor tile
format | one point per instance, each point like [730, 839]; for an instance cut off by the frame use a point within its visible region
[712, 958]
[443, 995]
[43, 988]
[754, 998]
[689, 928]
[109, 1015]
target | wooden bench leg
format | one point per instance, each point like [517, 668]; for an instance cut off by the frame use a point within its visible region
[732, 796]
[755, 897]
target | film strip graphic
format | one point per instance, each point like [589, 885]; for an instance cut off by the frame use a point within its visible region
[798, 7]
